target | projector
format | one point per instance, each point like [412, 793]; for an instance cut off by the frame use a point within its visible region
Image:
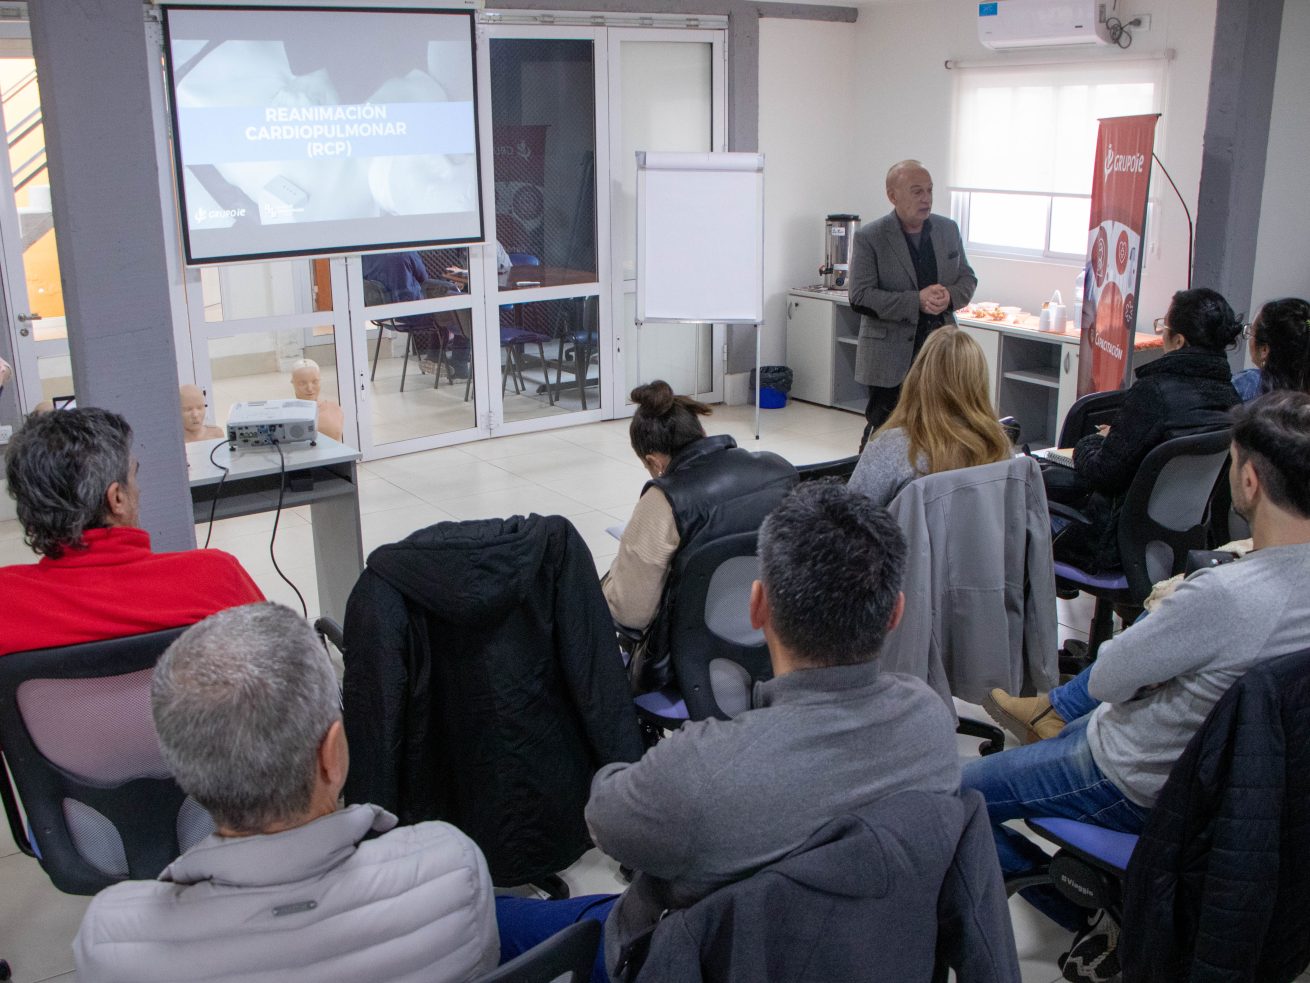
[264, 422]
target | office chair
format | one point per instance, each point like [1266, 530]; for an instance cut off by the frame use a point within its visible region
[1164, 515]
[717, 656]
[841, 468]
[567, 955]
[78, 739]
[1088, 413]
[980, 594]
[1098, 868]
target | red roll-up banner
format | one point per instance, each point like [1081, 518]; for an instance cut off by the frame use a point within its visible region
[1114, 251]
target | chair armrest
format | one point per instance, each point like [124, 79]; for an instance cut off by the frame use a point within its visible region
[331, 632]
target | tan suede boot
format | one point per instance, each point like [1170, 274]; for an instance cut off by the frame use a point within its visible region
[1029, 718]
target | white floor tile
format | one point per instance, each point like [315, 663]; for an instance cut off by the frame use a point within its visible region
[37, 922]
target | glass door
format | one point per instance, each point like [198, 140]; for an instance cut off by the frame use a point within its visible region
[417, 339]
[33, 292]
[550, 347]
[667, 93]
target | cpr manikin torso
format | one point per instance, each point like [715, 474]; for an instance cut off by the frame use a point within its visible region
[194, 426]
[307, 380]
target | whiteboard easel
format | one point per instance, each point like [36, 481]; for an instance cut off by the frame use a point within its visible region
[700, 243]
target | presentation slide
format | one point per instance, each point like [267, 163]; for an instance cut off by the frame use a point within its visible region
[322, 131]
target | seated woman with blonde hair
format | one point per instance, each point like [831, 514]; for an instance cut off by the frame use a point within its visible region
[944, 420]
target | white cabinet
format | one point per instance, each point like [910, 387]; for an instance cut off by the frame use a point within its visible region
[1068, 391]
[990, 342]
[809, 348]
[822, 332]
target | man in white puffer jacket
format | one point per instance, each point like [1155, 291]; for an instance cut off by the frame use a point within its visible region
[248, 713]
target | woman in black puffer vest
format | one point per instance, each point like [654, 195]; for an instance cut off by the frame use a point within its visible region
[1186, 391]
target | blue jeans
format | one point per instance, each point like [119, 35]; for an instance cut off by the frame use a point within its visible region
[1055, 777]
[523, 922]
[1072, 700]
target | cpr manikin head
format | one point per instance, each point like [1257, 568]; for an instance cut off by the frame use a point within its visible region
[306, 379]
[193, 409]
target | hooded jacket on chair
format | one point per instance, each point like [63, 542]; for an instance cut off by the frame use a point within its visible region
[484, 687]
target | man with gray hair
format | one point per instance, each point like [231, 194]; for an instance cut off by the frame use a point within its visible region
[248, 713]
[908, 273]
[73, 477]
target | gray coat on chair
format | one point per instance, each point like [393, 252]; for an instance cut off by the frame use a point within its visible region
[884, 289]
[979, 582]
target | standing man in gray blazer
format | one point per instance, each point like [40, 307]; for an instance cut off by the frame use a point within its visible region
[908, 274]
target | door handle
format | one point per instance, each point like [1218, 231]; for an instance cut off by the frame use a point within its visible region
[1066, 361]
[29, 317]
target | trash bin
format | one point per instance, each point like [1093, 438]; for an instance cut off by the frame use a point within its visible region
[775, 384]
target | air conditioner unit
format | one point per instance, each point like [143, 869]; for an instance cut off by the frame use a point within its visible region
[1006, 24]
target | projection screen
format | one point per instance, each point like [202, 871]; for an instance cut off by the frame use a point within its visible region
[311, 130]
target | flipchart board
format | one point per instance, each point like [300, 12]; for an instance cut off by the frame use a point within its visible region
[700, 237]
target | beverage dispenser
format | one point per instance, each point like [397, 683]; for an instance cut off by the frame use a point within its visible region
[838, 231]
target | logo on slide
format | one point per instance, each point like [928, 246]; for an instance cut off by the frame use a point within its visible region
[204, 214]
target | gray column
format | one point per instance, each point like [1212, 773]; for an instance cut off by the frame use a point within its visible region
[1242, 70]
[93, 63]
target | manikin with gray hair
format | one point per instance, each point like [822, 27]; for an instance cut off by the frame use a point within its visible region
[247, 708]
[307, 382]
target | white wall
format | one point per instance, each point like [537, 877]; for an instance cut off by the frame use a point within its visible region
[806, 135]
[903, 103]
[1282, 267]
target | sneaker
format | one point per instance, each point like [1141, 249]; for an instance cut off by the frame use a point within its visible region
[1094, 955]
[1029, 718]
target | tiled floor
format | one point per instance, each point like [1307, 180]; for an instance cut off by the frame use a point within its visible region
[587, 473]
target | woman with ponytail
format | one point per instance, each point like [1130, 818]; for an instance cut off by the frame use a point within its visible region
[1280, 350]
[701, 488]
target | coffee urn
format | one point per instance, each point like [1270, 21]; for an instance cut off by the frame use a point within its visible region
[838, 231]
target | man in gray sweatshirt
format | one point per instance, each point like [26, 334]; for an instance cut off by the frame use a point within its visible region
[1158, 680]
[720, 799]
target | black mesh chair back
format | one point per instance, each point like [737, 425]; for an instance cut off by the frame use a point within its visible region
[1088, 413]
[567, 955]
[717, 655]
[841, 468]
[78, 738]
[1167, 509]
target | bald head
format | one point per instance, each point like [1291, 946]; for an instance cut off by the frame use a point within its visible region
[193, 408]
[909, 189]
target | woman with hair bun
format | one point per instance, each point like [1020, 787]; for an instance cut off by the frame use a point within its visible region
[1280, 350]
[701, 488]
[1188, 390]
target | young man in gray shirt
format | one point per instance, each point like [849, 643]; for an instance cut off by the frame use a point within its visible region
[1159, 679]
[718, 800]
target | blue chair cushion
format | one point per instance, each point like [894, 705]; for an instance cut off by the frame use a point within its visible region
[521, 336]
[666, 703]
[1110, 580]
[1096, 844]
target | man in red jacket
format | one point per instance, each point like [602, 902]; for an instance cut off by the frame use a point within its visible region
[73, 476]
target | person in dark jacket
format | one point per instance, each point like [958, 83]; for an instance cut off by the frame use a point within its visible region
[701, 488]
[1219, 884]
[878, 895]
[1186, 391]
[484, 687]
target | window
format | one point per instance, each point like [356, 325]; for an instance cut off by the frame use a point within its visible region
[1024, 139]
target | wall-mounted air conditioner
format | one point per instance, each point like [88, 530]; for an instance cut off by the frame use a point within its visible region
[1042, 23]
